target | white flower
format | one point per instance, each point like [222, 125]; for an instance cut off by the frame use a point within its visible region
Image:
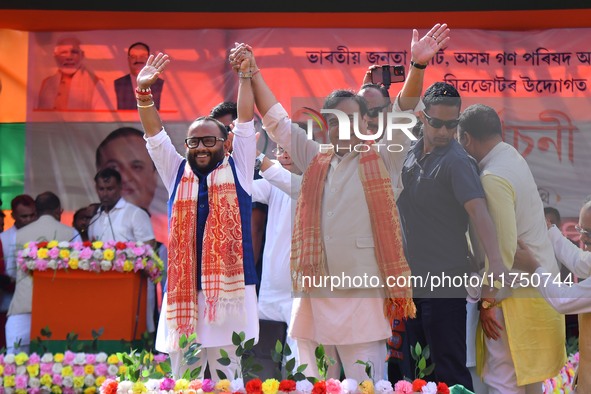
[349, 386]
[8, 390]
[47, 358]
[153, 385]
[237, 385]
[124, 387]
[80, 359]
[63, 245]
[31, 264]
[101, 357]
[9, 359]
[21, 370]
[84, 265]
[52, 264]
[384, 386]
[97, 254]
[429, 388]
[89, 380]
[112, 370]
[75, 254]
[34, 383]
[57, 368]
[106, 265]
[68, 381]
[304, 387]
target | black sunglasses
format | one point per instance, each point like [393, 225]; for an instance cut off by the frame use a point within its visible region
[438, 123]
[207, 141]
[375, 111]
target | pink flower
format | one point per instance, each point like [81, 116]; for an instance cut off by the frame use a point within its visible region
[57, 379]
[160, 358]
[9, 369]
[100, 369]
[46, 368]
[41, 264]
[138, 251]
[403, 387]
[78, 370]
[85, 254]
[21, 381]
[208, 386]
[34, 359]
[195, 384]
[69, 390]
[333, 386]
[34, 391]
[33, 252]
[54, 253]
[167, 384]
[69, 357]
[90, 358]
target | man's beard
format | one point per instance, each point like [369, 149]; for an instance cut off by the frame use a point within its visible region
[192, 160]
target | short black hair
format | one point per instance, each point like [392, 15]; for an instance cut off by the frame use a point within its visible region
[108, 173]
[78, 213]
[481, 122]
[22, 199]
[219, 124]
[339, 95]
[115, 134]
[552, 211]
[47, 202]
[138, 44]
[376, 86]
[223, 109]
[442, 93]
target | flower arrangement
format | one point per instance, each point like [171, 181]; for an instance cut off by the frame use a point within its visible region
[563, 382]
[97, 256]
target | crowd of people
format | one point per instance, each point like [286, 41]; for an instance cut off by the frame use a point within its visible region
[343, 209]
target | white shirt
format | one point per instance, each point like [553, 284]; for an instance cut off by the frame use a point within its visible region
[124, 222]
[567, 299]
[276, 277]
[8, 238]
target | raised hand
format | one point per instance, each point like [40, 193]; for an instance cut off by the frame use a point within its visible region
[423, 50]
[155, 65]
[242, 58]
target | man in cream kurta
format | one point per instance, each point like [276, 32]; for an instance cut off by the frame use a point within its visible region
[348, 321]
[524, 342]
[46, 228]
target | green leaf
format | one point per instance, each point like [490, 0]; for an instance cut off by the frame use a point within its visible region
[224, 353]
[183, 341]
[413, 354]
[278, 346]
[276, 357]
[46, 332]
[360, 362]
[145, 373]
[429, 370]
[239, 351]
[221, 375]
[165, 367]
[299, 377]
[192, 337]
[187, 375]
[236, 341]
[242, 336]
[249, 344]
[195, 373]
[422, 363]
[192, 360]
[302, 367]
[290, 364]
[426, 352]
[319, 352]
[418, 349]
[224, 361]
[287, 350]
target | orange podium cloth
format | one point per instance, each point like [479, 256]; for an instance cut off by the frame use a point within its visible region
[82, 301]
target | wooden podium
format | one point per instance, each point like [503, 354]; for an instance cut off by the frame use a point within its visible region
[82, 301]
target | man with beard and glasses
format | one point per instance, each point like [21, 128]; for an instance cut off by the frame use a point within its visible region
[211, 273]
[137, 54]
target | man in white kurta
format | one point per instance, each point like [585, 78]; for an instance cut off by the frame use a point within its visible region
[524, 342]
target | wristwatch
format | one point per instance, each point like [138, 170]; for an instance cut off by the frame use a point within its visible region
[486, 305]
[258, 161]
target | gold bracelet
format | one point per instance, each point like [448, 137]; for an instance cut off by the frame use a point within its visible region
[146, 106]
[245, 75]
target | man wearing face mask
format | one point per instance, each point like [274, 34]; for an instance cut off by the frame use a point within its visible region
[137, 54]
[211, 273]
[73, 86]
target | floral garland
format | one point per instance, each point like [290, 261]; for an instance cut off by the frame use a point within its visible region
[272, 386]
[97, 256]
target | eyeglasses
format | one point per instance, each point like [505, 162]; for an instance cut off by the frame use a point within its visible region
[438, 123]
[208, 141]
[582, 231]
[278, 151]
[375, 111]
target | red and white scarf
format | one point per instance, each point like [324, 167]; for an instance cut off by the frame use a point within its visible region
[222, 269]
[308, 258]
